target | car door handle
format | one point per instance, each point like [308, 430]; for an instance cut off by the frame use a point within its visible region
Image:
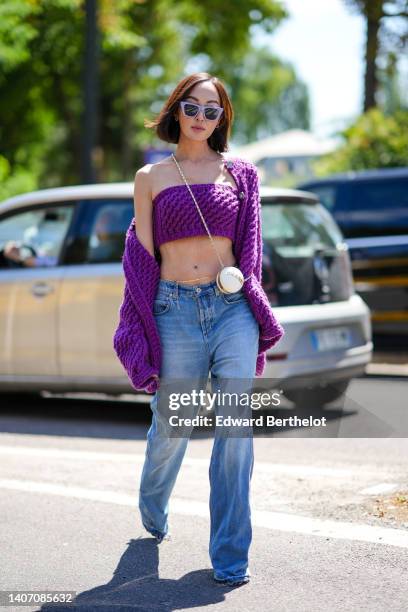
[41, 288]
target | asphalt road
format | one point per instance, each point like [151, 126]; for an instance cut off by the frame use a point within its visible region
[329, 511]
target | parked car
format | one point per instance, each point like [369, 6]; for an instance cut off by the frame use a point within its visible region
[371, 208]
[58, 316]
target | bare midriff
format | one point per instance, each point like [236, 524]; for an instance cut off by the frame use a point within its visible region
[193, 260]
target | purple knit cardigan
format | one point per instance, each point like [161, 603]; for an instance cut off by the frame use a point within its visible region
[136, 340]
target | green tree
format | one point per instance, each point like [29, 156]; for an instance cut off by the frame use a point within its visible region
[393, 93]
[268, 97]
[146, 46]
[380, 38]
[373, 141]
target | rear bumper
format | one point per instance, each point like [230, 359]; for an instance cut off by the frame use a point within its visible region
[322, 377]
[294, 357]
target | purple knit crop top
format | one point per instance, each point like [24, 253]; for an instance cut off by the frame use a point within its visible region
[175, 214]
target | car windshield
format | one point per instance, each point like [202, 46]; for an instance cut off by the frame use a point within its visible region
[299, 229]
[304, 257]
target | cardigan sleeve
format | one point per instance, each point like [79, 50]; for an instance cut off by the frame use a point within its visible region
[136, 340]
[248, 241]
[258, 216]
[250, 263]
[249, 236]
[131, 347]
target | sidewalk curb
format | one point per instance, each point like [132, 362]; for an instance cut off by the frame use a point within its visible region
[386, 369]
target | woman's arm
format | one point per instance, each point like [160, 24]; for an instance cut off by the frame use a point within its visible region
[142, 199]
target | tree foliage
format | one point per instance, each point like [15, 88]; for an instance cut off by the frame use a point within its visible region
[384, 40]
[145, 48]
[268, 97]
[373, 141]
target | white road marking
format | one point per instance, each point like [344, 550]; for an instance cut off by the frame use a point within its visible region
[260, 466]
[278, 521]
[384, 487]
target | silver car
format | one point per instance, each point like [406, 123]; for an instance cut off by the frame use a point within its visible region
[59, 311]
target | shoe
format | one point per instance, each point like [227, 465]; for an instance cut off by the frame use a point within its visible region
[158, 535]
[161, 537]
[232, 583]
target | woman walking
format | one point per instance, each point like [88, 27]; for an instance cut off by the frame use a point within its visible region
[194, 305]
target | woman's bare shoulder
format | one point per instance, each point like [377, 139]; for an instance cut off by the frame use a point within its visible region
[142, 182]
[151, 171]
[147, 175]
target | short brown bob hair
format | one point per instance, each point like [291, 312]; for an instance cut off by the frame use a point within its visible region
[168, 129]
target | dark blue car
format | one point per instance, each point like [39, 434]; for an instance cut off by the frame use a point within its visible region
[371, 208]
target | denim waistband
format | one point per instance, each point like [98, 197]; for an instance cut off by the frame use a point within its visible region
[176, 288]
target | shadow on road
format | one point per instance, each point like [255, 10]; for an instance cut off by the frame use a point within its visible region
[72, 416]
[136, 585]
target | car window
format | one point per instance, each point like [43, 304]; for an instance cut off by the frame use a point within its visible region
[304, 259]
[299, 229]
[100, 234]
[38, 233]
[107, 232]
[326, 195]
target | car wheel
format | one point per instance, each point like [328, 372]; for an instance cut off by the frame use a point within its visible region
[317, 396]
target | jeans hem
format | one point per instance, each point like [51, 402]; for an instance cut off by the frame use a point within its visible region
[160, 536]
[232, 581]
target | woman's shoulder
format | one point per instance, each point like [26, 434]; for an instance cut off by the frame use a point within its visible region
[152, 173]
[240, 160]
[151, 169]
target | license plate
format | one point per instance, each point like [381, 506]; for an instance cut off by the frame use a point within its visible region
[332, 338]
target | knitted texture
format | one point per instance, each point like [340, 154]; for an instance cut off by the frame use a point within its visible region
[175, 214]
[136, 339]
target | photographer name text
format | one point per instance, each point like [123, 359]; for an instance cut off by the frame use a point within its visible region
[259, 421]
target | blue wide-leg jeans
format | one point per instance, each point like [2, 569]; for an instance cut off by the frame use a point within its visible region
[202, 332]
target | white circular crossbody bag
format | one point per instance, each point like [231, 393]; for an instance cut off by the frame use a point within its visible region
[229, 279]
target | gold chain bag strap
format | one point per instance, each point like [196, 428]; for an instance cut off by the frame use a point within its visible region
[229, 279]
